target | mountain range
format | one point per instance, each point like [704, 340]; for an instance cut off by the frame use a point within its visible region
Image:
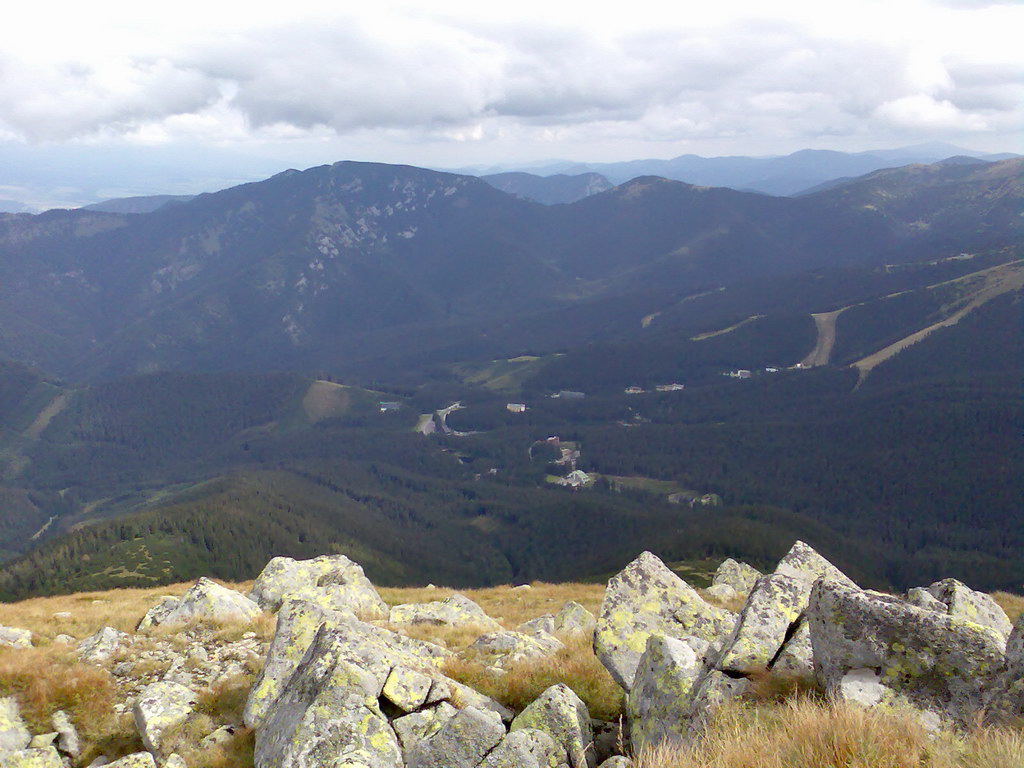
[245, 373]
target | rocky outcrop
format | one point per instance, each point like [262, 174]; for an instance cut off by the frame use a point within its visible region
[457, 610]
[331, 581]
[44, 757]
[206, 600]
[876, 649]
[561, 714]
[775, 604]
[645, 599]
[803, 562]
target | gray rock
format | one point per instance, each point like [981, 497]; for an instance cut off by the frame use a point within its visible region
[206, 600]
[422, 724]
[964, 603]
[922, 598]
[327, 714]
[561, 714]
[13, 637]
[65, 639]
[1005, 702]
[712, 689]
[525, 748]
[13, 732]
[455, 611]
[617, 761]
[407, 688]
[297, 624]
[67, 736]
[46, 757]
[462, 742]
[796, 659]
[499, 649]
[646, 598]
[721, 592]
[43, 740]
[939, 664]
[739, 576]
[137, 760]
[102, 645]
[659, 701]
[174, 760]
[331, 581]
[159, 612]
[573, 618]
[161, 707]
[774, 605]
[542, 624]
[803, 562]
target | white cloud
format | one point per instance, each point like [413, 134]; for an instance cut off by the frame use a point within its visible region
[540, 75]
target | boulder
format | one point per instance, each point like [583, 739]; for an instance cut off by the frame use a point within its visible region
[878, 649]
[561, 714]
[327, 714]
[331, 581]
[710, 690]
[14, 734]
[102, 645]
[159, 708]
[297, 623]
[206, 600]
[1005, 703]
[739, 576]
[796, 658]
[525, 748]
[67, 735]
[659, 701]
[964, 603]
[541, 625]
[159, 612]
[13, 637]
[445, 689]
[774, 605]
[137, 760]
[645, 599]
[573, 618]
[455, 611]
[922, 598]
[462, 742]
[617, 761]
[423, 724]
[498, 649]
[407, 688]
[46, 757]
[721, 592]
[803, 562]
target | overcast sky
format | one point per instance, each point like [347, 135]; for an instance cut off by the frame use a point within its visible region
[454, 83]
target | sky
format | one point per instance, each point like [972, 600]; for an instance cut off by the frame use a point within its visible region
[447, 83]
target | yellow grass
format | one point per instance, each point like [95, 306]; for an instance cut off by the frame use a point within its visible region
[805, 734]
[523, 681]
[91, 611]
[1012, 604]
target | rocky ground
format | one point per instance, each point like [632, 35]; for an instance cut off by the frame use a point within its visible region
[312, 666]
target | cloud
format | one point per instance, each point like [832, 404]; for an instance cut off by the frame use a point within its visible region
[462, 75]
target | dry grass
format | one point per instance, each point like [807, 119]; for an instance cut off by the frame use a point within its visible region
[523, 681]
[47, 679]
[803, 733]
[1012, 604]
[91, 611]
[220, 705]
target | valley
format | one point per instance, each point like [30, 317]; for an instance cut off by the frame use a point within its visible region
[325, 362]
